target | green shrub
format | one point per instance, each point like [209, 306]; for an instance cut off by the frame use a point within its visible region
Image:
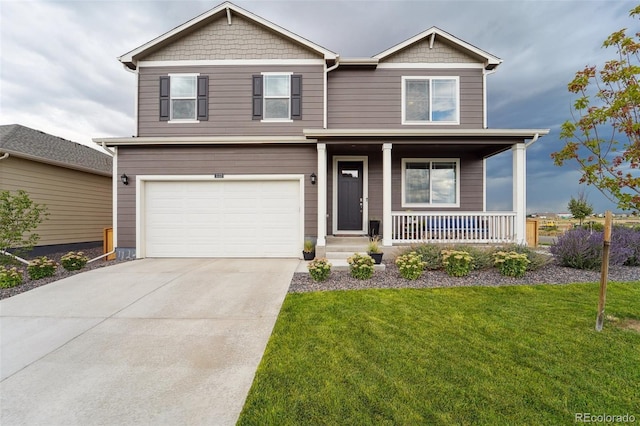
[410, 265]
[536, 260]
[361, 266]
[319, 269]
[457, 263]
[73, 261]
[511, 264]
[430, 254]
[19, 218]
[10, 277]
[482, 257]
[594, 226]
[41, 267]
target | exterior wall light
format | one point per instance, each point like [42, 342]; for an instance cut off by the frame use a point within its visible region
[125, 179]
[313, 178]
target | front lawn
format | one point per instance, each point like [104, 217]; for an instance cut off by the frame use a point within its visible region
[497, 355]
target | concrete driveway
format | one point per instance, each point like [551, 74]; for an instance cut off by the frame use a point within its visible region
[153, 341]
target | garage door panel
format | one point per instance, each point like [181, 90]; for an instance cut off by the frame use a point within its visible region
[222, 218]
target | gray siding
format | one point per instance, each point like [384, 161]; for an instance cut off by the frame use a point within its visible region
[372, 98]
[230, 102]
[193, 160]
[471, 177]
[79, 203]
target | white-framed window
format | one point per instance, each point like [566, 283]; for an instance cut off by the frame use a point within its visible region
[430, 100]
[430, 182]
[184, 94]
[277, 96]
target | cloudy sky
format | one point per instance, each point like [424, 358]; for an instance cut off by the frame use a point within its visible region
[59, 73]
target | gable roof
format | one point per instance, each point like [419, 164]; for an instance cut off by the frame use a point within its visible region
[490, 61]
[130, 59]
[31, 144]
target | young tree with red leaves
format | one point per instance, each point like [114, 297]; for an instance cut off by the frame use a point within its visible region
[604, 135]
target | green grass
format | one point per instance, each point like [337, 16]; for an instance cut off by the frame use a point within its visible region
[505, 355]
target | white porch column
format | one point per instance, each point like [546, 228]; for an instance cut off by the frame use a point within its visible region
[322, 196]
[520, 191]
[386, 195]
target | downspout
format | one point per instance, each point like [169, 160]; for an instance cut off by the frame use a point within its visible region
[19, 259]
[326, 82]
[101, 256]
[104, 146]
[485, 73]
[532, 141]
[5, 155]
[135, 99]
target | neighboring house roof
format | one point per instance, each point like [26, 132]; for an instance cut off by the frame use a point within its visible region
[227, 9]
[490, 61]
[31, 144]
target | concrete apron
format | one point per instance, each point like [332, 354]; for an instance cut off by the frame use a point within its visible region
[154, 341]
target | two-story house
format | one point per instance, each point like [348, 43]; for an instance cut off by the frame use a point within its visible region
[250, 139]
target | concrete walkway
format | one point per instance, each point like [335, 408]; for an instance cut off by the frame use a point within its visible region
[154, 341]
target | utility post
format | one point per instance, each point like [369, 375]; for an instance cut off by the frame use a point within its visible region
[604, 271]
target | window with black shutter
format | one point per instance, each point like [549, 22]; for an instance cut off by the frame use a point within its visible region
[277, 97]
[184, 97]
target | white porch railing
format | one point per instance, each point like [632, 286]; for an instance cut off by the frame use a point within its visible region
[467, 227]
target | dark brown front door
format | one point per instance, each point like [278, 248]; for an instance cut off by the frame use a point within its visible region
[350, 195]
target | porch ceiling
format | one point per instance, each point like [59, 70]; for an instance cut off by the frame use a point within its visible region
[364, 147]
[481, 142]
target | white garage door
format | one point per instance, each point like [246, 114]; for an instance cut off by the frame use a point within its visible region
[222, 218]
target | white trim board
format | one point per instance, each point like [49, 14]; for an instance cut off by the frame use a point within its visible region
[230, 62]
[430, 65]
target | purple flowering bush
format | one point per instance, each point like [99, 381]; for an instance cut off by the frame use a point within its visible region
[578, 249]
[628, 241]
[582, 249]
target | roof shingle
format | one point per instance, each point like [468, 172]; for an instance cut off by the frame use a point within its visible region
[33, 144]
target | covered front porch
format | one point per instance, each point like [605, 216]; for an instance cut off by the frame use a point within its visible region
[388, 174]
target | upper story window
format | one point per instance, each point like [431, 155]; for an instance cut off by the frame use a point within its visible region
[430, 182]
[277, 97]
[184, 98]
[430, 100]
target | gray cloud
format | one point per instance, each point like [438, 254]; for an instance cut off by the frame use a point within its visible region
[59, 73]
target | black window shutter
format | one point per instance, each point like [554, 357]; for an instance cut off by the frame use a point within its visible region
[203, 97]
[257, 97]
[164, 98]
[296, 97]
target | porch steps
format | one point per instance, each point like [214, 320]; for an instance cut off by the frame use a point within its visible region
[339, 249]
